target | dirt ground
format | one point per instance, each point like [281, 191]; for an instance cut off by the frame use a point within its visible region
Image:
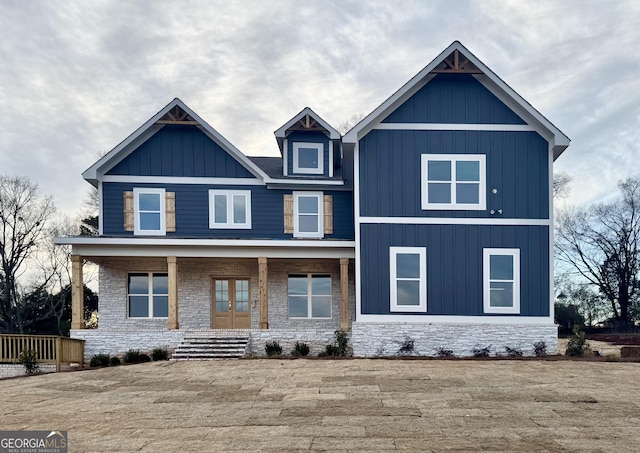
[335, 405]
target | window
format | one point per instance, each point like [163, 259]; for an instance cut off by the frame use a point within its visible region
[308, 158]
[309, 296]
[148, 295]
[408, 277]
[453, 181]
[149, 211]
[230, 209]
[501, 277]
[308, 215]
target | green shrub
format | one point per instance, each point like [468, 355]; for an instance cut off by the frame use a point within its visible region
[114, 361]
[145, 358]
[273, 348]
[482, 352]
[340, 346]
[159, 354]
[300, 349]
[131, 356]
[540, 348]
[331, 350]
[577, 345]
[445, 353]
[513, 352]
[100, 360]
[29, 359]
[407, 346]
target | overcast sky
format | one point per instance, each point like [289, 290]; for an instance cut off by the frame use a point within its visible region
[77, 77]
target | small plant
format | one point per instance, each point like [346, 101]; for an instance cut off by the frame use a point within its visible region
[300, 349]
[99, 360]
[273, 348]
[445, 353]
[342, 342]
[159, 354]
[131, 356]
[577, 345]
[540, 348]
[513, 352]
[407, 346]
[29, 359]
[481, 352]
[145, 358]
[114, 361]
[331, 350]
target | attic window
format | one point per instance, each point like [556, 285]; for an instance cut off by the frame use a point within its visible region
[308, 158]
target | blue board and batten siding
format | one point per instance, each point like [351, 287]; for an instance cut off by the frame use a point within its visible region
[458, 99]
[181, 151]
[454, 265]
[192, 211]
[390, 171]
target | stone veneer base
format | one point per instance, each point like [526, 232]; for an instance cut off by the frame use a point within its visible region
[384, 339]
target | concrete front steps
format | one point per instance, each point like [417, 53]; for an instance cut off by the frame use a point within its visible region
[198, 347]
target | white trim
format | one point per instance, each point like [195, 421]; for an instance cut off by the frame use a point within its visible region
[393, 279]
[453, 159]
[100, 210]
[332, 149]
[357, 223]
[454, 221]
[281, 132]
[310, 295]
[182, 180]
[150, 294]
[487, 253]
[319, 147]
[285, 157]
[309, 181]
[149, 128]
[455, 127]
[137, 191]
[551, 238]
[229, 196]
[560, 141]
[451, 319]
[173, 242]
[296, 224]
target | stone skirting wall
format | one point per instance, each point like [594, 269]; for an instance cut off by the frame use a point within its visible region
[8, 370]
[316, 339]
[384, 339]
[118, 342]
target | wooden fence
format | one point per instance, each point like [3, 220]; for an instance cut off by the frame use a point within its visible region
[49, 349]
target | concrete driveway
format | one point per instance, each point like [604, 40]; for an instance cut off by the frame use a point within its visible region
[335, 405]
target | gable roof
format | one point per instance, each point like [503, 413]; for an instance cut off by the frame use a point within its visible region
[306, 119]
[175, 112]
[458, 59]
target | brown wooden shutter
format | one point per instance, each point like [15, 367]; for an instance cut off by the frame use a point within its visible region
[170, 211]
[328, 214]
[128, 211]
[288, 213]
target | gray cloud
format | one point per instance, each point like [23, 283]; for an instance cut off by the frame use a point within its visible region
[78, 77]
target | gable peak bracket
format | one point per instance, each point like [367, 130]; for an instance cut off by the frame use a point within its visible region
[456, 63]
[177, 116]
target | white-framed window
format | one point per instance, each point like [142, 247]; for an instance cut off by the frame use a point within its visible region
[309, 296]
[454, 181]
[308, 158]
[230, 209]
[308, 215]
[501, 280]
[149, 211]
[408, 278]
[148, 295]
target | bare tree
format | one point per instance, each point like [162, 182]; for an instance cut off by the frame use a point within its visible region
[561, 184]
[346, 125]
[24, 214]
[601, 244]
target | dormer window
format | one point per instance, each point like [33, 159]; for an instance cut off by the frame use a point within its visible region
[308, 158]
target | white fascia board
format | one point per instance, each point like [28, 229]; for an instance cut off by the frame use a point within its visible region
[182, 180]
[303, 182]
[455, 127]
[489, 79]
[138, 241]
[450, 319]
[149, 128]
[281, 132]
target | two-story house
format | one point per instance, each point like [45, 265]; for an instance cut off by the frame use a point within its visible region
[430, 220]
